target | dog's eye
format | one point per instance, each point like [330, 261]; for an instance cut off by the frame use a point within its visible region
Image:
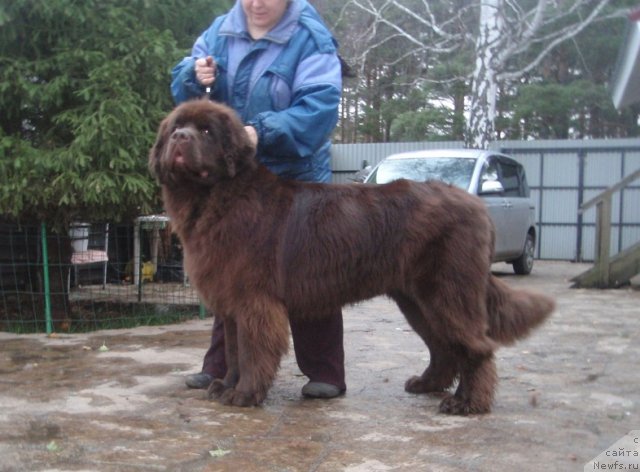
[204, 130]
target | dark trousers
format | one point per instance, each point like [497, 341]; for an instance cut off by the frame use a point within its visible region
[317, 344]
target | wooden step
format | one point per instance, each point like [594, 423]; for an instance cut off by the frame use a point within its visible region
[623, 266]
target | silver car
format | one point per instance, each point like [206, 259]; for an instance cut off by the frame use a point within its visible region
[499, 180]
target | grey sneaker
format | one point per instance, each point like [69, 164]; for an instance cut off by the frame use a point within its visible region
[321, 390]
[200, 380]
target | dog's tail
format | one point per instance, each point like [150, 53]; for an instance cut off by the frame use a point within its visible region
[514, 313]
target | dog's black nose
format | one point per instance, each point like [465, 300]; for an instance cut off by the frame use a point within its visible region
[181, 134]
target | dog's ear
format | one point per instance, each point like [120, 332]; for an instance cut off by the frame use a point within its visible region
[239, 152]
[157, 148]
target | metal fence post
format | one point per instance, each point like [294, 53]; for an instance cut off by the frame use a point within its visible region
[582, 159]
[45, 270]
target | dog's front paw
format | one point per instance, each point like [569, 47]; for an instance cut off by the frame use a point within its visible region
[454, 405]
[236, 398]
[216, 389]
[417, 384]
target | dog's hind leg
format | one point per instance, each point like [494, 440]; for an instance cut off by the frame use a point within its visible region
[461, 324]
[262, 339]
[475, 391]
[442, 369]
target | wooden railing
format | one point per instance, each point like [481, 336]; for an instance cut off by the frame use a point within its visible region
[602, 202]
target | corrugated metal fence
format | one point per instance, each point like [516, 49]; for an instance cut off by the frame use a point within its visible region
[562, 175]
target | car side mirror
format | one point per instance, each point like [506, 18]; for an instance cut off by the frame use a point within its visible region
[491, 187]
[362, 175]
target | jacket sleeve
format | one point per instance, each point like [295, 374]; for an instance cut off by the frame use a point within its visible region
[184, 85]
[183, 81]
[306, 125]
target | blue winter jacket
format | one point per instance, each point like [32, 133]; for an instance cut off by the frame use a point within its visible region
[287, 85]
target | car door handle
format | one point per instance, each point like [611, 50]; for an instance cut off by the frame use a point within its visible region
[507, 204]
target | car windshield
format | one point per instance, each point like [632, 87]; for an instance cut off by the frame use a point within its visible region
[456, 171]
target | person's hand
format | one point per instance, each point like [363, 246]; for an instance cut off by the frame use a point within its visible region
[205, 69]
[253, 135]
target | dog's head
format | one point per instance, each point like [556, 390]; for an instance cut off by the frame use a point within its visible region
[200, 142]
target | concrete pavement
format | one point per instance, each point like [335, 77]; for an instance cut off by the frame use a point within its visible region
[565, 394]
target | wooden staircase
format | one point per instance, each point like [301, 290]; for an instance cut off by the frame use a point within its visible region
[609, 272]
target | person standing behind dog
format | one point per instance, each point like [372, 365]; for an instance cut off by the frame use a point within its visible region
[276, 64]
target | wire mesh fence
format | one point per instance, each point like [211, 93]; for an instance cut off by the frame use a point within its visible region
[92, 276]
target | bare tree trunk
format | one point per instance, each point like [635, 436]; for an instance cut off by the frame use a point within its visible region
[343, 117]
[482, 110]
[458, 114]
[356, 116]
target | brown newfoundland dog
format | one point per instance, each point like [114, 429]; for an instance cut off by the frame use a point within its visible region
[260, 249]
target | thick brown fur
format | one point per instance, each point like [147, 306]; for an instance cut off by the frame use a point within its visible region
[260, 249]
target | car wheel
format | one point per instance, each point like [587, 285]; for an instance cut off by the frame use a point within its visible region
[524, 264]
